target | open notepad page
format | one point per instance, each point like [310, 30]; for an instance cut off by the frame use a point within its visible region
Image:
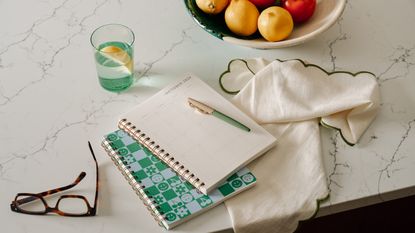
[205, 146]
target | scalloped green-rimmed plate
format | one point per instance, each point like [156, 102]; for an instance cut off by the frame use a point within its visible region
[326, 14]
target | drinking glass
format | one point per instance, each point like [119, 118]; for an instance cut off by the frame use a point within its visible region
[114, 56]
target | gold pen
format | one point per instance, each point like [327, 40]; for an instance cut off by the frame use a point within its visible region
[203, 108]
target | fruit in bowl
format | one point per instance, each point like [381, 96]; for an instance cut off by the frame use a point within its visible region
[262, 4]
[242, 17]
[300, 10]
[212, 6]
[275, 23]
[323, 15]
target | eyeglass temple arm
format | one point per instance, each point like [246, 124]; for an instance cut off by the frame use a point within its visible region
[97, 177]
[53, 191]
[78, 179]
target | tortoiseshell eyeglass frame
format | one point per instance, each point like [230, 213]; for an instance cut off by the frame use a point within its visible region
[23, 198]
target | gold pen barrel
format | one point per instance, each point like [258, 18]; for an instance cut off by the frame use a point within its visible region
[201, 107]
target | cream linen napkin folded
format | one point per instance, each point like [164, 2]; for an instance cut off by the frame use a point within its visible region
[289, 99]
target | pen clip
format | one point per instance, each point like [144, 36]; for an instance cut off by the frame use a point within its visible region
[200, 106]
[203, 108]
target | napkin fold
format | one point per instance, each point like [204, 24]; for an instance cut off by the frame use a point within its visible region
[289, 99]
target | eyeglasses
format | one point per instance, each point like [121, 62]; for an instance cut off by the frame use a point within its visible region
[67, 205]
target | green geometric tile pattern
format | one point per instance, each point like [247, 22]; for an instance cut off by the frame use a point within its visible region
[175, 198]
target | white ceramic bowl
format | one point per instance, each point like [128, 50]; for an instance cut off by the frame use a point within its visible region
[326, 14]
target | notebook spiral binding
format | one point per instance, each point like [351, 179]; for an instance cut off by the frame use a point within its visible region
[138, 188]
[140, 136]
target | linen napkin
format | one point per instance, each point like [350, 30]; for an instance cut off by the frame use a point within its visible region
[289, 99]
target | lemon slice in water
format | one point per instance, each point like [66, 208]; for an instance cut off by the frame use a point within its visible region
[116, 57]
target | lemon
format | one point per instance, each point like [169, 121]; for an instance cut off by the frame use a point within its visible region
[275, 23]
[241, 17]
[212, 6]
[116, 57]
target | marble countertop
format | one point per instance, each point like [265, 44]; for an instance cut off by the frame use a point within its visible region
[51, 103]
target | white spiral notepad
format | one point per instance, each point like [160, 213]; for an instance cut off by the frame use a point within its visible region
[201, 148]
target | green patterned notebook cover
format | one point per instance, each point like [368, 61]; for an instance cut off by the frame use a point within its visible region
[170, 198]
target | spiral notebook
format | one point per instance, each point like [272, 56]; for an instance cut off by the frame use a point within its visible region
[170, 199]
[203, 149]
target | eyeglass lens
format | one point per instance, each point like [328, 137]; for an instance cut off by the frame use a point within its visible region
[36, 206]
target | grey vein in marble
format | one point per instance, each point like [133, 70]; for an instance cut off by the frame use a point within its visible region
[149, 65]
[340, 37]
[336, 165]
[52, 137]
[31, 31]
[28, 33]
[393, 108]
[386, 170]
[45, 66]
[403, 57]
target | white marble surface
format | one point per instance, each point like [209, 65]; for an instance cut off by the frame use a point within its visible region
[51, 102]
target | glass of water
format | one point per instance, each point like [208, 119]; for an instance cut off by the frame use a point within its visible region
[113, 51]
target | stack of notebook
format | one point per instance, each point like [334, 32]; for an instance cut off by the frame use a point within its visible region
[182, 159]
